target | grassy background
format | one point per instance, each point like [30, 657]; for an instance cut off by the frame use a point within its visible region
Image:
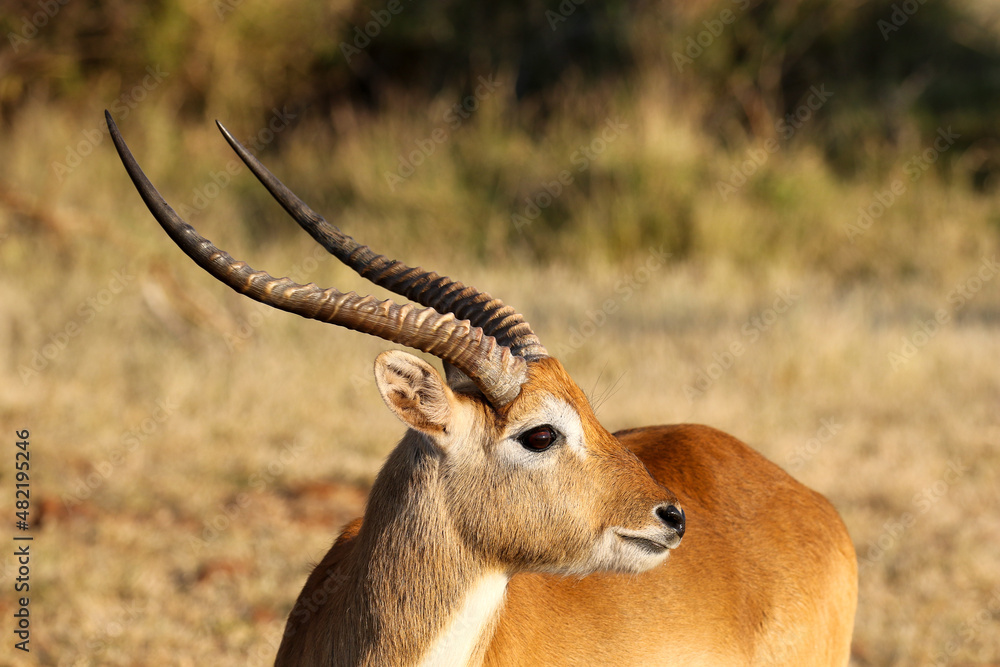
[194, 452]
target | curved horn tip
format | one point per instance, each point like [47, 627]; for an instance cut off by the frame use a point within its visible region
[225, 133]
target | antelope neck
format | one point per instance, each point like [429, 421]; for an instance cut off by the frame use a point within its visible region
[422, 598]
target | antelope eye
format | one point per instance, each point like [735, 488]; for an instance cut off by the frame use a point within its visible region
[538, 439]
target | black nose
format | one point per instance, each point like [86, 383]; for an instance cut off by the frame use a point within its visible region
[673, 517]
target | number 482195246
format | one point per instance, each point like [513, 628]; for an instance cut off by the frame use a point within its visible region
[21, 478]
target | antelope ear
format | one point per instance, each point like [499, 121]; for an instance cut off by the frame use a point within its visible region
[414, 391]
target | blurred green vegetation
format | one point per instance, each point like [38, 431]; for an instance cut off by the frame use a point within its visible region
[755, 132]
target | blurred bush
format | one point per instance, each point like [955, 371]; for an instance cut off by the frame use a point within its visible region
[890, 62]
[845, 93]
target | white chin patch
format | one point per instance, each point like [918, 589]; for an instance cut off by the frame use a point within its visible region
[617, 551]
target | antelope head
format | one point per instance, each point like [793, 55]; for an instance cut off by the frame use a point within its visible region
[536, 484]
[516, 465]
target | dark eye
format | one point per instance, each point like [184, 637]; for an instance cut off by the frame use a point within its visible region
[538, 439]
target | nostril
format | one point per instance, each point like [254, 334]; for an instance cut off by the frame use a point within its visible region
[673, 517]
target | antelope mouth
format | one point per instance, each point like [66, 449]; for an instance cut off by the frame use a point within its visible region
[646, 544]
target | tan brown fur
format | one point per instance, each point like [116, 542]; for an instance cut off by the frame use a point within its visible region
[766, 574]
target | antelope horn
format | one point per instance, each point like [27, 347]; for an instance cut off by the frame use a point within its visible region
[498, 373]
[425, 287]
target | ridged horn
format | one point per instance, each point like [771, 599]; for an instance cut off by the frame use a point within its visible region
[497, 372]
[425, 287]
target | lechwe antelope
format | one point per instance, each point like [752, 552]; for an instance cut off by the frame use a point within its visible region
[508, 527]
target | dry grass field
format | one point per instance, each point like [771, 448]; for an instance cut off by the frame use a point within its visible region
[184, 487]
[193, 453]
